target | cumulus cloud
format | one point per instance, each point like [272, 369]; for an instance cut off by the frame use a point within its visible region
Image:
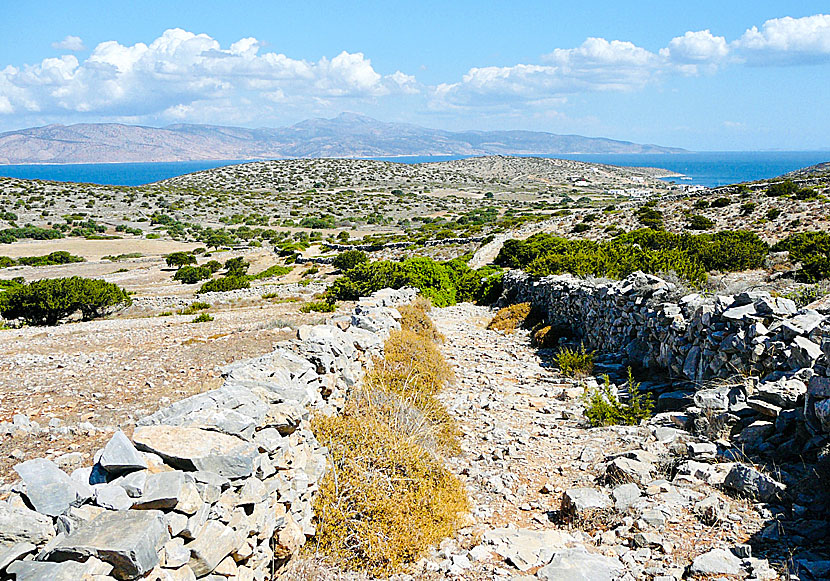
[71, 43]
[180, 71]
[696, 49]
[787, 41]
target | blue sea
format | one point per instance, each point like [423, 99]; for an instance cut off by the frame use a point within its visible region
[711, 168]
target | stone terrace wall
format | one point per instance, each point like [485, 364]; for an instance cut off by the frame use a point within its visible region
[218, 486]
[698, 338]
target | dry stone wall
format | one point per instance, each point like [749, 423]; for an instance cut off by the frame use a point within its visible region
[218, 486]
[784, 351]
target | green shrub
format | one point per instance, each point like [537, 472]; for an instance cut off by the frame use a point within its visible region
[602, 408]
[224, 284]
[9, 235]
[720, 202]
[47, 301]
[349, 259]
[319, 307]
[192, 274]
[214, 266]
[574, 362]
[691, 256]
[698, 222]
[812, 250]
[785, 188]
[443, 283]
[195, 308]
[59, 257]
[747, 208]
[202, 318]
[276, 270]
[773, 213]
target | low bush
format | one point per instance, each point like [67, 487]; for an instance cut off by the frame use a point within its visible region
[51, 259]
[202, 318]
[236, 267]
[698, 222]
[574, 362]
[9, 235]
[602, 408]
[224, 284]
[195, 308]
[272, 271]
[349, 259]
[47, 301]
[443, 283]
[319, 307]
[415, 317]
[510, 318]
[812, 250]
[690, 256]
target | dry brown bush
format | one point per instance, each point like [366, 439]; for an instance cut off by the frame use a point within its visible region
[510, 318]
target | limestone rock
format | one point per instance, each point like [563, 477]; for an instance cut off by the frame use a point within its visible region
[119, 455]
[197, 449]
[716, 562]
[525, 548]
[50, 490]
[21, 525]
[748, 481]
[127, 540]
[578, 564]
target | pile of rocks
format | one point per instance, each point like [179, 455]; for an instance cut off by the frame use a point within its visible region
[217, 486]
[696, 339]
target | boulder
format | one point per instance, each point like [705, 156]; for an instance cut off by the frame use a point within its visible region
[578, 501]
[783, 392]
[212, 544]
[716, 562]
[748, 481]
[67, 571]
[119, 455]
[49, 489]
[127, 540]
[11, 553]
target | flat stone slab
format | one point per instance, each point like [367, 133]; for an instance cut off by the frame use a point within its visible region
[127, 540]
[578, 564]
[190, 448]
[67, 571]
[21, 525]
[527, 548]
[50, 490]
[11, 553]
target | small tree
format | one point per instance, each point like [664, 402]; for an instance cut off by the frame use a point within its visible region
[236, 267]
[180, 259]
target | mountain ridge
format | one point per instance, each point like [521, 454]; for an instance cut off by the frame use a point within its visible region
[347, 135]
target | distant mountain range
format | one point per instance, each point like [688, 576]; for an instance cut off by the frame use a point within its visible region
[347, 135]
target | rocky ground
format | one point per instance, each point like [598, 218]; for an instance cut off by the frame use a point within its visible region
[552, 497]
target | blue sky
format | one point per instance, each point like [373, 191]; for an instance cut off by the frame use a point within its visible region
[726, 75]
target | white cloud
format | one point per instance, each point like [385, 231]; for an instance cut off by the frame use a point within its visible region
[72, 43]
[180, 69]
[787, 41]
[696, 49]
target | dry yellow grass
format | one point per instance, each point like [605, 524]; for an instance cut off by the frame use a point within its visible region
[387, 496]
[414, 317]
[510, 318]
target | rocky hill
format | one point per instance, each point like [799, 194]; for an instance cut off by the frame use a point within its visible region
[347, 135]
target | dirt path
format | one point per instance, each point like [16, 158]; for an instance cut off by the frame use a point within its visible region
[525, 446]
